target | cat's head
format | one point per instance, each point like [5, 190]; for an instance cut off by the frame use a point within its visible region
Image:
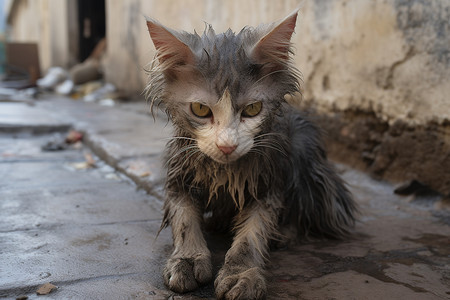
[223, 90]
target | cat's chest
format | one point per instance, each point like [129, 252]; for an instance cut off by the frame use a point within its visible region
[236, 185]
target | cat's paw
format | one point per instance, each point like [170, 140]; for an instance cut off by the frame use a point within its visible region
[186, 274]
[240, 283]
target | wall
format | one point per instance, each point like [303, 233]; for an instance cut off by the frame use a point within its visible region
[48, 23]
[377, 77]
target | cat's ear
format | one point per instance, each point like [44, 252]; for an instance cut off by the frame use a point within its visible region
[273, 48]
[171, 52]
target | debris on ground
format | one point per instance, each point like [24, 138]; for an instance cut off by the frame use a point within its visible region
[60, 143]
[105, 92]
[83, 80]
[87, 164]
[46, 289]
[413, 187]
[56, 143]
[54, 76]
[89, 159]
[139, 168]
[73, 137]
[112, 176]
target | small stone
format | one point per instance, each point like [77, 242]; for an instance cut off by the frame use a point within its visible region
[46, 289]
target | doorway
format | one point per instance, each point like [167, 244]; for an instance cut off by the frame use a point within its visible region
[92, 26]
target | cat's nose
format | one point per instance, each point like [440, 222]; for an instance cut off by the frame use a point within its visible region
[227, 149]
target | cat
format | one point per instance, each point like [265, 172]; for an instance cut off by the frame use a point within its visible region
[241, 159]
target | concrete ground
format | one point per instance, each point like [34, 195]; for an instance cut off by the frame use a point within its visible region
[90, 228]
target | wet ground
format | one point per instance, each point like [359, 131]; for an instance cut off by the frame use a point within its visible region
[85, 218]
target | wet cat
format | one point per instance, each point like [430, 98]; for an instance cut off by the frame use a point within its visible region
[241, 158]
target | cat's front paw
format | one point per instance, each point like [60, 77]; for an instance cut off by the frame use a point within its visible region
[184, 274]
[240, 283]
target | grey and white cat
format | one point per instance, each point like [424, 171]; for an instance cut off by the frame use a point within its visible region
[241, 158]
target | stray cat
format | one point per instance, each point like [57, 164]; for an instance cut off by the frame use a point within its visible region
[241, 158]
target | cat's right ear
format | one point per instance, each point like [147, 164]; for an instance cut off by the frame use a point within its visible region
[273, 48]
[171, 52]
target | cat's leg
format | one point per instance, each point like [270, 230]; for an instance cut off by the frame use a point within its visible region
[242, 276]
[190, 263]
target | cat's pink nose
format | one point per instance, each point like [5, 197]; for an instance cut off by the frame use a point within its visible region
[227, 149]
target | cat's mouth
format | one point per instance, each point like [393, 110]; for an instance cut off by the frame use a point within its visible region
[225, 153]
[228, 156]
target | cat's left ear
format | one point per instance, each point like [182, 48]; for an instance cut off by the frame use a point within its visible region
[171, 52]
[273, 48]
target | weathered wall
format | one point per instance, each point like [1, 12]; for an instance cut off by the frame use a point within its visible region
[389, 57]
[376, 73]
[50, 24]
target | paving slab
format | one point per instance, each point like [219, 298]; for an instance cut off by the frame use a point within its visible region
[123, 136]
[74, 253]
[73, 226]
[23, 116]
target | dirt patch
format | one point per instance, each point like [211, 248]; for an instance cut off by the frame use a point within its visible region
[398, 152]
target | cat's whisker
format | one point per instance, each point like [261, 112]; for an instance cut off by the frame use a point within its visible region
[272, 146]
[279, 138]
[263, 154]
[197, 160]
[183, 149]
[196, 151]
[270, 134]
[269, 142]
[174, 138]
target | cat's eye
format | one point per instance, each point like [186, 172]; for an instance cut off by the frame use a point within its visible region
[252, 110]
[200, 110]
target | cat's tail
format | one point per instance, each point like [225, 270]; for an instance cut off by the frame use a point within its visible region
[318, 201]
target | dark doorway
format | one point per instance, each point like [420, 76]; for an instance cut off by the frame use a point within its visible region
[91, 20]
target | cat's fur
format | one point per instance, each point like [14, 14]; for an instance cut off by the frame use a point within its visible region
[262, 177]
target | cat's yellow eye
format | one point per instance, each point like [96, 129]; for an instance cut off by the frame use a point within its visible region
[252, 110]
[200, 110]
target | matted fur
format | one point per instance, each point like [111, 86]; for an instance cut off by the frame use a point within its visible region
[281, 180]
